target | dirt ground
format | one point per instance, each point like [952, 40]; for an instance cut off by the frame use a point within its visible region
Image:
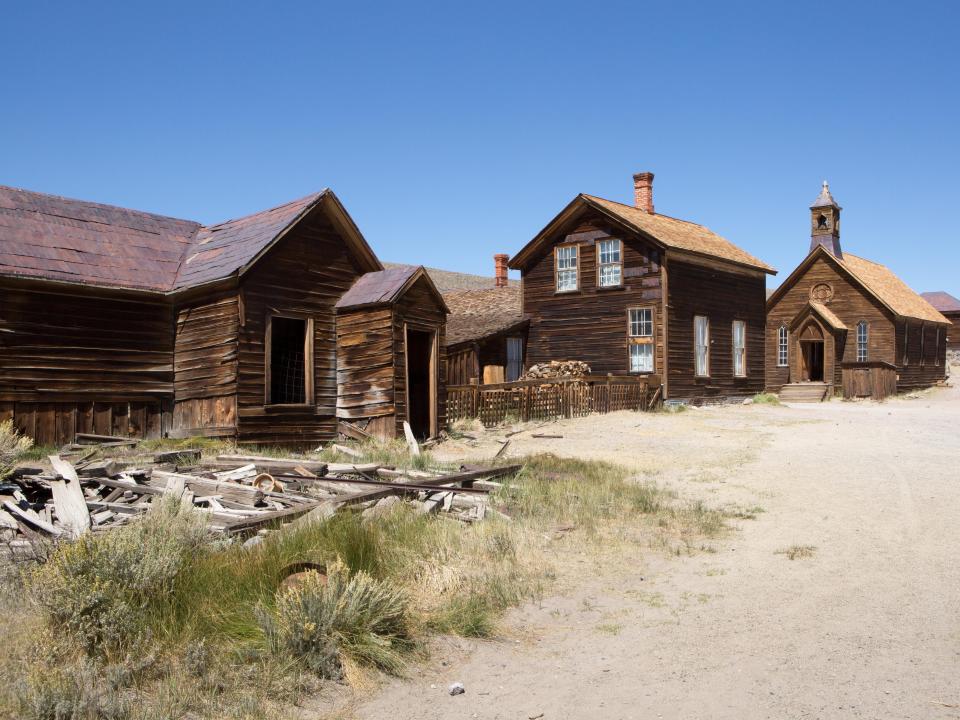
[867, 625]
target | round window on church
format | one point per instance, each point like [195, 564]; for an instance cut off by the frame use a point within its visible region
[821, 293]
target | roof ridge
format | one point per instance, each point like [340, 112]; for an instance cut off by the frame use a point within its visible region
[312, 195]
[94, 203]
[654, 214]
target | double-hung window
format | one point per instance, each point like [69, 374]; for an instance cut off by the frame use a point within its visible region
[936, 349]
[609, 263]
[862, 335]
[568, 266]
[782, 354]
[739, 348]
[640, 339]
[701, 338]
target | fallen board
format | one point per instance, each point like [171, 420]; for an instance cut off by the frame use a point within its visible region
[69, 503]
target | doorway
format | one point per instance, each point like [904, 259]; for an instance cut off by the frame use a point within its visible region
[812, 354]
[421, 382]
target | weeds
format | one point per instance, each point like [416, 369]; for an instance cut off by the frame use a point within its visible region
[766, 398]
[797, 552]
[13, 447]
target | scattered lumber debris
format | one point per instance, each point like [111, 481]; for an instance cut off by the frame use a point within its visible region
[546, 436]
[352, 432]
[240, 495]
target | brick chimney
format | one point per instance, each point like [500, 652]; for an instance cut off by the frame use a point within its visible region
[643, 191]
[500, 263]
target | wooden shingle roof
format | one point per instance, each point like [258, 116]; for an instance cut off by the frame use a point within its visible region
[669, 232]
[890, 290]
[385, 287]
[49, 237]
[475, 314]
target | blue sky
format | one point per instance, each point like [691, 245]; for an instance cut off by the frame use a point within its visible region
[454, 131]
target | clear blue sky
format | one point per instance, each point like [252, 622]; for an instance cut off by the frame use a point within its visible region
[455, 130]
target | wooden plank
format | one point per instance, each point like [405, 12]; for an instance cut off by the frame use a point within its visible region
[69, 502]
[411, 440]
[32, 518]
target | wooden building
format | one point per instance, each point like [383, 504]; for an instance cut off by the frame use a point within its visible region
[629, 290]
[115, 321]
[948, 306]
[840, 324]
[391, 353]
[486, 331]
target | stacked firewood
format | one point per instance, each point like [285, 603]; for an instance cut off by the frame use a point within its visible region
[557, 370]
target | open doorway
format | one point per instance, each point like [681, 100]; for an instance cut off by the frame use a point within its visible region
[812, 353]
[421, 383]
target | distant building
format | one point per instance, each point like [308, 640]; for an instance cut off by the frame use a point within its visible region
[949, 307]
[840, 324]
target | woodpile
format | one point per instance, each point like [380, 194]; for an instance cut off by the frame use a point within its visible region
[239, 494]
[557, 370]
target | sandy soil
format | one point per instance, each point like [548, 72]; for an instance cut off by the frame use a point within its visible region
[868, 626]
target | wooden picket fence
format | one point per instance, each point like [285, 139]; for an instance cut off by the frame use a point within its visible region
[548, 399]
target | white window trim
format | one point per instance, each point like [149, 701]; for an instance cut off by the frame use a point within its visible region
[696, 348]
[642, 339]
[557, 270]
[618, 263]
[742, 350]
[783, 359]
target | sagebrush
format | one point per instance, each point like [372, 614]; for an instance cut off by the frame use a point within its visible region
[13, 446]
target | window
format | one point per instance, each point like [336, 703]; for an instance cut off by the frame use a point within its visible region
[782, 355]
[568, 266]
[289, 361]
[701, 336]
[640, 339]
[514, 358]
[739, 348]
[862, 341]
[609, 263]
[936, 349]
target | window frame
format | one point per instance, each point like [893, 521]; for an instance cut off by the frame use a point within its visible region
[864, 344]
[706, 373]
[650, 339]
[556, 267]
[785, 342]
[923, 344]
[308, 360]
[936, 350]
[906, 343]
[516, 340]
[733, 343]
[601, 265]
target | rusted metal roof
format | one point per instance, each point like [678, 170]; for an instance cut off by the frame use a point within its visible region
[385, 287]
[942, 301]
[54, 238]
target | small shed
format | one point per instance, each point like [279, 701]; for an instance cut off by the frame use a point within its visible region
[486, 335]
[391, 358]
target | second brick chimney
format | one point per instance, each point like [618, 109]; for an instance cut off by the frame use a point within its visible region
[643, 191]
[500, 264]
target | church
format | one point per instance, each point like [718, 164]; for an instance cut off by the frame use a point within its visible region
[841, 325]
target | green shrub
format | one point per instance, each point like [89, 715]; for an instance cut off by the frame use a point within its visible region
[13, 446]
[324, 620]
[766, 398]
[99, 590]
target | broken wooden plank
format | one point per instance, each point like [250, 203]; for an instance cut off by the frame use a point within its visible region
[411, 440]
[91, 439]
[347, 451]
[68, 500]
[546, 436]
[185, 456]
[31, 518]
[275, 465]
[237, 474]
[349, 430]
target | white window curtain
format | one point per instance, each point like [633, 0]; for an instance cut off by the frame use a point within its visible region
[641, 357]
[739, 348]
[566, 268]
[701, 327]
[514, 358]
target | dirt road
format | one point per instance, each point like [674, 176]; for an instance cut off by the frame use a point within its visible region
[868, 625]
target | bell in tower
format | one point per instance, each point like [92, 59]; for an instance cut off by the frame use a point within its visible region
[825, 223]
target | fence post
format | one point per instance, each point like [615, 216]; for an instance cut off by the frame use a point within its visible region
[609, 386]
[525, 412]
[475, 397]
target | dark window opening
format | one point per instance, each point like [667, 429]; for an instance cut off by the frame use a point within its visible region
[514, 358]
[419, 354]
[822, 221]
[288, 339]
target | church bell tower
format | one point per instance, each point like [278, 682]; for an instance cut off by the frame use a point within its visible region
[825, 223]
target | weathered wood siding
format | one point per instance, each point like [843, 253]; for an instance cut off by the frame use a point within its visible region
[462, 364]
[590, 324]
[722, 295]
[84, 360]
[305, 274]
[921, 363]
[365, 357]
[850, 303]
[205, 366]
[419, 309]
[953, 332]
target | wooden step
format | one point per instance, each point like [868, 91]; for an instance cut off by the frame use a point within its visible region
[804, 392]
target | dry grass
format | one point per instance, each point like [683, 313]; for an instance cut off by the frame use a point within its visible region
[797, 552]
[200, 620]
